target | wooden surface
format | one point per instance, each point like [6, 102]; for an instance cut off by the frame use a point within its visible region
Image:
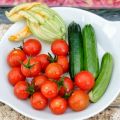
[111, 113]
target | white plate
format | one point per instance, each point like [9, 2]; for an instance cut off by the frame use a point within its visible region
[108, 39]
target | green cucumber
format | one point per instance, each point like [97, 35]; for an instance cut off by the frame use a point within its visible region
[91, 62]
[75, 49]
[103, 79]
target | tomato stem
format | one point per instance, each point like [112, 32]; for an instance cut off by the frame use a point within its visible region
[60, 83]
[51, 58]
[67, 95]
[20, 47]
[28, 65]
[30, 88]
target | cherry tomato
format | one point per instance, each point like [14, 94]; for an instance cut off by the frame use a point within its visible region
[43, 59]
[20, 90]
[58, 105]
[84, 80]
[78, 101]
[39, 80]
[30, 67]
[62, 91]
[15, 75]
[54, 71]
[38, 101]
[67, 86]
[63, 61]
[15, 57]
[49, 89]
[59, 47]
[32, 47]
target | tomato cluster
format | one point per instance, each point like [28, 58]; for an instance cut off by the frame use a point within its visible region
[48, 84]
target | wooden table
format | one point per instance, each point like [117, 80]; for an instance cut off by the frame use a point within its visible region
[111, 113]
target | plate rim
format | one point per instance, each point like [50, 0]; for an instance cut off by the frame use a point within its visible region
[87, 116]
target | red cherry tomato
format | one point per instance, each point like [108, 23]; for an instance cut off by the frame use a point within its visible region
[84, 80]
[49, 89]
[62, 91]
[54, 71]
[30, 67]
[43, 59]
[15, 75]
[59, 47]
[32, 47]
[63, 61]
[15, 57]
[58, 105]
[38, 101]
[20, 90]
[78, 101]
[39, 80]
[67, 86]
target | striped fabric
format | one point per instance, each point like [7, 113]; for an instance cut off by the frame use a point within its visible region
[75, 3]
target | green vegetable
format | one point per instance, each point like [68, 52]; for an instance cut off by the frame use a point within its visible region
[28, 16]
[91, 62]
[42, 21]
[39, 31]
[52, 27]
[103, 79]
[75, 49]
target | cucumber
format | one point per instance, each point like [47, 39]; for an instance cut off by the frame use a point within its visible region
[75, 49]
[103, 79]
[91, 62]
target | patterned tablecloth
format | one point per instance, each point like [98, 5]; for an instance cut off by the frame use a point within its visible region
[75, 3]
[111, 113]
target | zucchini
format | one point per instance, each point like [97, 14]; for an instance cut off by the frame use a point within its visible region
[103, 79]
[91, 62]
[75, 49]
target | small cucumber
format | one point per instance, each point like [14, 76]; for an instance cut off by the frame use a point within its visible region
[91, 62]
[103, 79]
[75, 49]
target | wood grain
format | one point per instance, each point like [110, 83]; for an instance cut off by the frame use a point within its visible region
[7, 113]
